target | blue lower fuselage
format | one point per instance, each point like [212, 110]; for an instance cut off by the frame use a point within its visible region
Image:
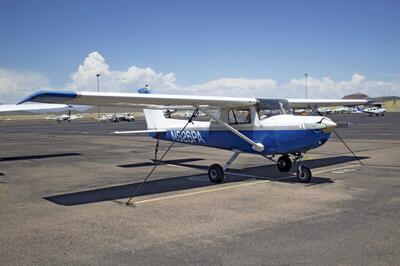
[274, 141]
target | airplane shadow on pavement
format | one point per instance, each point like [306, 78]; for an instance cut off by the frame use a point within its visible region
[41, 156]
[265, 172]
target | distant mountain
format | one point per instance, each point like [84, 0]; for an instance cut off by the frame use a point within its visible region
[386, 98]
[378, 99]
[356, 96]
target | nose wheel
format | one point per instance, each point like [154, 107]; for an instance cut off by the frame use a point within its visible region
[303, 173]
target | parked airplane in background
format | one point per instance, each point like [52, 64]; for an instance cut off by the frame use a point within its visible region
[259, 126]
[117, 118]
[357, 110]
[374, 111]
[342, 110]
[324, 111]
[64, 118]
[371, 111]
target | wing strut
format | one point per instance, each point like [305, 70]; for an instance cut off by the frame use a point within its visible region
[256, 146]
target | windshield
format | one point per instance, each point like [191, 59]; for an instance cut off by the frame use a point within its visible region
[270, 107]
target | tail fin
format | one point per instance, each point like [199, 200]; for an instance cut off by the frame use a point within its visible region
[155, 119]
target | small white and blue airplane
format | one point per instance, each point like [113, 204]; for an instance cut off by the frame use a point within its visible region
[374, 111]
[259, 126]
[357, 110]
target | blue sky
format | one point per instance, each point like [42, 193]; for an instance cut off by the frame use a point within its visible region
[200, 41]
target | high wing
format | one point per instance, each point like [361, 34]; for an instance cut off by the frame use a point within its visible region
[148, 100]
[305, 103]
[32, 107]
[136, 99]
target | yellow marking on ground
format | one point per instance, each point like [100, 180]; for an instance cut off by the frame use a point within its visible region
[383, 167]
[337, 168]
[232, 186]
[175, 165]
[200, 192]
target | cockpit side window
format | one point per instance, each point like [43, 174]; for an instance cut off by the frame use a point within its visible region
[242, 116]
[271, 107]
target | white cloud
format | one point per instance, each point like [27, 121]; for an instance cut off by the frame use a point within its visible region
[325, 87]
[121, 81]
[233, 87]
[15, 85]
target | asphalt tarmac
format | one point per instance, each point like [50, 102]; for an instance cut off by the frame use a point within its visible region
[63, 189]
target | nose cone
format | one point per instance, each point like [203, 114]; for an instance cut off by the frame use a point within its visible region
[329, 125]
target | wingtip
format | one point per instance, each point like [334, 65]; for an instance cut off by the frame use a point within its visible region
[49, 96]
[31, 97]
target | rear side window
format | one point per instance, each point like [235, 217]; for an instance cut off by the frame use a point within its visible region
[239, 116]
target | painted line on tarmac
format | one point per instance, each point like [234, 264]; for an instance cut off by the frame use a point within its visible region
[245, 175]
[337, 168]
[200, 192]
[232, 186]
[383, 167]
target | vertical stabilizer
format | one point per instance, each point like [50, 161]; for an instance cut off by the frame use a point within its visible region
[155, 119]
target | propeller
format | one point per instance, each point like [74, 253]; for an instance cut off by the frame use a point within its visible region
[347, 146]
[344, 124]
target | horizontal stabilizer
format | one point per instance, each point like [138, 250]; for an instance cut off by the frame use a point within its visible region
[140, 131]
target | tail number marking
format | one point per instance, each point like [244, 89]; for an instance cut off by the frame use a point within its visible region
[188, 136]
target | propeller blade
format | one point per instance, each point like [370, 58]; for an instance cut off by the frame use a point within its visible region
[344, 124]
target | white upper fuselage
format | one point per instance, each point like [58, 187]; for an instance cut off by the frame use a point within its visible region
[374, 110]
[277, 122]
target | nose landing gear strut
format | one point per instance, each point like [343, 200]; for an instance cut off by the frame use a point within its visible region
[303, 173]
[285, 164]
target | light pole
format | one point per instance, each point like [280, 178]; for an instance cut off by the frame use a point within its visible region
[305, 76]
[98, 90]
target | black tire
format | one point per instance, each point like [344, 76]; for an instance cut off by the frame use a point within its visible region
[284, 163]
[216, 173]
[305, 175]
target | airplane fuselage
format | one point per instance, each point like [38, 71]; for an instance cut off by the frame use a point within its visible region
[281, 134]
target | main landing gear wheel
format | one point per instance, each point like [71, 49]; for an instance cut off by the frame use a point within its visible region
[216, 173]
[284, 163]
[303, 174]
